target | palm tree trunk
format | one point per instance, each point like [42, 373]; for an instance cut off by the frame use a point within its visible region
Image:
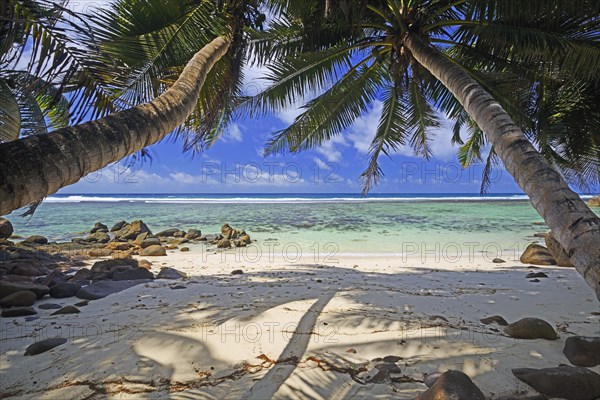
[37, 166]
[572, 223]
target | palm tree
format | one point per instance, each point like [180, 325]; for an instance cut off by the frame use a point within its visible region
[152, 57]
[38, 57]
[420, 55]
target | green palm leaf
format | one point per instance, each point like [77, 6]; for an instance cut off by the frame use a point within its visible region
[330, 113]
[390, 136]
[10, 115]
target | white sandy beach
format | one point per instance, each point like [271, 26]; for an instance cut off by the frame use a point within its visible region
[298, 331]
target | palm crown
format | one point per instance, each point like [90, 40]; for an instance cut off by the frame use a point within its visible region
[511, 56]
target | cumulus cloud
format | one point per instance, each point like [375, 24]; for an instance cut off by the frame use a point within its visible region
[332, 149]
[233, 133]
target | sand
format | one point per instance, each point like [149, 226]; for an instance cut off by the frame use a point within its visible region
[298, 330]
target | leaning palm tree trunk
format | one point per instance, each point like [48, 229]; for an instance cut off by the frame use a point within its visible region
[37, 166]
[572, 223]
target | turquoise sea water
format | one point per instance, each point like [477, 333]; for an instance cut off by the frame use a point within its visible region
[340, 223]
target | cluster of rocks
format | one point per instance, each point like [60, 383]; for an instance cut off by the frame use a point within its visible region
[551, 254]
[35, 268]
[103, 278]
[126, 239]
[564, 382]
[231, 237]
[571, 382]
[594, 201]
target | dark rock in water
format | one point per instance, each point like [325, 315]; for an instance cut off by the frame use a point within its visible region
[193, 234]
[99, 227]
[565, 382]
[82, 303]
[18, 312]
[49, 306]
[132, 231]
[44, 346]
[23, 298]
[583, 351]
[498, 261]
[6, 228]
[184, 249]
[171, 273]
[168, 232]
[534, 280]
[119, 225]
[536, 275]
[64, 290]
[98, 290]
[531, 328]
[98, 237]
[67, 310]
[557, 251]
[133, 274]
[177, 287]
[36, 239]
[537, 255]
[154, 251]
[452, 385]
[237, 272]
[495, 319]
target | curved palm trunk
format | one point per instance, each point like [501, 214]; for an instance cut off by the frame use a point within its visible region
[572, 223]
[37, 166]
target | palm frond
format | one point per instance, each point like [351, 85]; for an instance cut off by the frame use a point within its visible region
[10, 115]
[390, 136]
[333, 111]
[421, 117]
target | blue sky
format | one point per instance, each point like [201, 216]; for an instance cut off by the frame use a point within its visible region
[235, 164]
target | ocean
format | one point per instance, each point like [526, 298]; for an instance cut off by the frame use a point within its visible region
[381, 224]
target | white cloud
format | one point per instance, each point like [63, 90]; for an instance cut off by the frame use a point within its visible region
[233, 133]
[289, 114]
[331, 149]
[186, 179]
[441, 141]
[254, 82]
[363, 130]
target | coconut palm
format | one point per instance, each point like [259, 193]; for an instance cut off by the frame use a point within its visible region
[152, 57]
[420, 56]
[39, 56]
